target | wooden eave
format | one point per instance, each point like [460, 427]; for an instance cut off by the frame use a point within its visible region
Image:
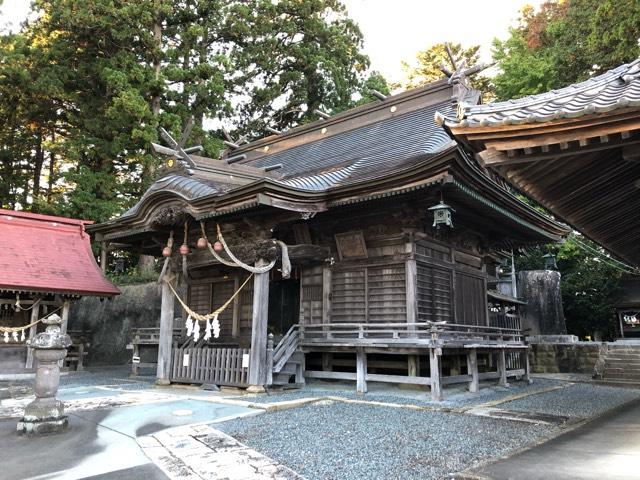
[584, 170]
[445, 168]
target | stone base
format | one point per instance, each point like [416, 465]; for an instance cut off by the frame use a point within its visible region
[163, 382]
[43, 427]
[256, 389]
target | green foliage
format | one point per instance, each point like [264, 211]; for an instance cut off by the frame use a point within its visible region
[428, 65]
[589, 284]
[84, 87]
[565, 42]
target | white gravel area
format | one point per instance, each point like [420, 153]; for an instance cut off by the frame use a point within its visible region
[333, 440]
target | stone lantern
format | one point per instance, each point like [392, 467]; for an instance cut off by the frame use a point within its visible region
[46, 414]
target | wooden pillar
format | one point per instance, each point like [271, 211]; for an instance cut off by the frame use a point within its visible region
[413, 366]
[411, 280]
[502, 368]
[436, 381]
[66, 306]
[35, 315]
[163, 372]
[472, 369]
[104, 248]
[258, 353]
[326, 295]
[270, 359]
[235, 325]
[361, 371]
[527, 367]
[327, 362]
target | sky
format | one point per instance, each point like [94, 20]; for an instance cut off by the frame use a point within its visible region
[395, 30]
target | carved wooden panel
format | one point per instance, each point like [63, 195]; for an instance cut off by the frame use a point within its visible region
[351, 245]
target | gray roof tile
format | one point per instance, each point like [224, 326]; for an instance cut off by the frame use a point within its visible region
[618, 88]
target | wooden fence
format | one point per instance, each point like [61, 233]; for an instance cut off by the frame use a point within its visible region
[219, 366]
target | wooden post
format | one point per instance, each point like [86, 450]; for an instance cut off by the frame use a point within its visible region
[327, 362]
[300, 367]
[361, 371]
[472, 369]
[104, 248]
[163, 372]
[411, 276]
[258, 353]
[270, 360]
[35, 315]
[413, 366]
[527, 367]
[235, 325]
[436, 381]
[502, 368]
[66, 306]
[326, 294]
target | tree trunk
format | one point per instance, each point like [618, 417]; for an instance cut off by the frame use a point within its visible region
[37, 171]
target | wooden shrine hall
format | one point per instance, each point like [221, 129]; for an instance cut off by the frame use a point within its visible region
[46, 263]
[391, 232]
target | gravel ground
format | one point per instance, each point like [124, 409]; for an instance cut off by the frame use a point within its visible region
[454, 397]
[580, 400]
[345, 441]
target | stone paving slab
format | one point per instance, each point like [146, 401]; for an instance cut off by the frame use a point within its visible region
[199, 452]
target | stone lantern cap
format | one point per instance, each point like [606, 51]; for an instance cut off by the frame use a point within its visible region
[52, 337]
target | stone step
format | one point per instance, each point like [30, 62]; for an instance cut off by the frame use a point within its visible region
[619, 383]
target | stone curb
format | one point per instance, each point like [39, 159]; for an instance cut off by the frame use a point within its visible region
[200, 452]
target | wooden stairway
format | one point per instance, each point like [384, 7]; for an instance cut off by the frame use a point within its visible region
[287, 364]
[622, 364]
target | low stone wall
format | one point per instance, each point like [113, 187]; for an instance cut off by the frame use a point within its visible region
[110, 321]
[578, 357]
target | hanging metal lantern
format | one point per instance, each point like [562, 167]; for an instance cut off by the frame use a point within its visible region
[550, 261]
[442, 214]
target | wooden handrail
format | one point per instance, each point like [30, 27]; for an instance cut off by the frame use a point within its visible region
[285, 348]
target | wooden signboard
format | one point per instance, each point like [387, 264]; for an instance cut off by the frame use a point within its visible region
[351, 245]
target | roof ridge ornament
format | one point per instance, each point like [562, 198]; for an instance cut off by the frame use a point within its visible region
[176, 150]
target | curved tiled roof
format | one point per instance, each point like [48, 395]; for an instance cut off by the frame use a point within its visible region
[618, 88]
[188, 187]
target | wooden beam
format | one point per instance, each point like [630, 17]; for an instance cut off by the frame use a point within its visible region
[104, 249]
[411, 286]
[257, 355]
[413, 365]
[326, 295]
[165, 342]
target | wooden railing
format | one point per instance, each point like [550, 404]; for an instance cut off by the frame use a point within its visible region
[415, 334]
[219, 366]
[504, 320]
[285, 348]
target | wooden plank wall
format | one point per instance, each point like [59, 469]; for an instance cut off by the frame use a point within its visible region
[451, 285]
[375, 293]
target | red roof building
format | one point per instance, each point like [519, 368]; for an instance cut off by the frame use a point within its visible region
[47, 254]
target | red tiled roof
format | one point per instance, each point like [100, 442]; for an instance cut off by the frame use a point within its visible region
[42, 253]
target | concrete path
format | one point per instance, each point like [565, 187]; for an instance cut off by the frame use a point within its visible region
[607, 448]
[102, 443]
[200, 452]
